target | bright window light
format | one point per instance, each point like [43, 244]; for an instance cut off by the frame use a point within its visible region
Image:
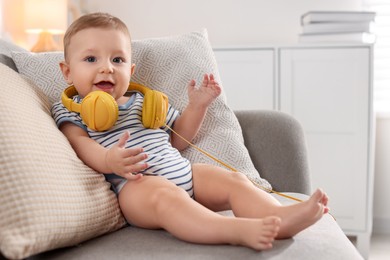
[381, 54]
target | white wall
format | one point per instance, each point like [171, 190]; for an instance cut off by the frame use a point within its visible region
[229, 22]
[382, 176]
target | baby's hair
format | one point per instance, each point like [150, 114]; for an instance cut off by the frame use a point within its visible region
[94, 20]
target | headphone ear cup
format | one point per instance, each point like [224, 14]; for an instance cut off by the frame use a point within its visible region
[99, 110]
[154, 109]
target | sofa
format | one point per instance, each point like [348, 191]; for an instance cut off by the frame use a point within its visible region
[55, 207]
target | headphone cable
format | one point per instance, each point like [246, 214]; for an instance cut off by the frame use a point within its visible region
[230, 167]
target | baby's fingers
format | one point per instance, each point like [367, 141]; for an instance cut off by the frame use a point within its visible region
[134, 151]
[132, 171]
[122, 141]
[135, 161]
[205, 81]
[133, 177]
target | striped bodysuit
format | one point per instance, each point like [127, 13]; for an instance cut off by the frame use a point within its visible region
[163, 159]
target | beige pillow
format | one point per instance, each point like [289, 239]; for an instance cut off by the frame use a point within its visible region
[48, 197]
[166, 64]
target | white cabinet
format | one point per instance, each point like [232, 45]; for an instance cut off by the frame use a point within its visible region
[248, 77]
[328, 89]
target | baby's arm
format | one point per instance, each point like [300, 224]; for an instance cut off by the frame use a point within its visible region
[191, 119]
[119, 160]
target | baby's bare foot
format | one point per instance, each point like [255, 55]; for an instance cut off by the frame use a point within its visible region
[296, 218]
[259, 234]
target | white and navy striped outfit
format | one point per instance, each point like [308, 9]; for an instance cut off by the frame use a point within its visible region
[163, 159]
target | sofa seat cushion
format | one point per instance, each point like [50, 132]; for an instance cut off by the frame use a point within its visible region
[322, 241]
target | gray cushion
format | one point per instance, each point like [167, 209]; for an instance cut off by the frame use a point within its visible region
[5, 53]
[277, 147]
[324, 240]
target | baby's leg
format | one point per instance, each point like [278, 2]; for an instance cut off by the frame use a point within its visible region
[154, 202]
[220, 189]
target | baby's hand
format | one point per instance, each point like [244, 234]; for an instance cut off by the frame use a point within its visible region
[124, 162]
[207, 92]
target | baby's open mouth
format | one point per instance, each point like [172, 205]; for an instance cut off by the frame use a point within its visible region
[104, 85]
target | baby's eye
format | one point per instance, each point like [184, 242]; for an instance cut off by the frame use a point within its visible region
[90, 59]
[118, 60]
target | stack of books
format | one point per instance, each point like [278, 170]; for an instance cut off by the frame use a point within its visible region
[337, 26]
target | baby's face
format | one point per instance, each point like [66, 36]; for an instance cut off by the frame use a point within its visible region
[99, 59]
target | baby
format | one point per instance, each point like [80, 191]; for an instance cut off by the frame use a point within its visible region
[156, 187]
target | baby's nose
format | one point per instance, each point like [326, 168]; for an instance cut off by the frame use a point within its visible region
[107, 68]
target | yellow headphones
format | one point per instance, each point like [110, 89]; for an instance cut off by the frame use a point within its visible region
[99, 110]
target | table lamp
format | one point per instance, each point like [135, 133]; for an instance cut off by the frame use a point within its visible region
[46, 18]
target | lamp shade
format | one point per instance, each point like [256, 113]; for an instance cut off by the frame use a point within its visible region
[45, 16]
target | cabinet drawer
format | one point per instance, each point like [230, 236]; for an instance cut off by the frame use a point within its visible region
[247, 77]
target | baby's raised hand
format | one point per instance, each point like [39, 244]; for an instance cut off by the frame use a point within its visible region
[125, 162]
[206, 93]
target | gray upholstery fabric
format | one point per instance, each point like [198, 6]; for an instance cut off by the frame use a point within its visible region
[322, 241]
[5, 53]
[277, 147]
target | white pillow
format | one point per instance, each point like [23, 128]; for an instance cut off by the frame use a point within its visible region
[166, 64]
[48, 197]
[44, 70]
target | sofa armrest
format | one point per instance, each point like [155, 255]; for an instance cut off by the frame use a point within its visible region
[277, 147]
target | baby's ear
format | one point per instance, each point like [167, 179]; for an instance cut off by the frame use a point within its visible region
[132, 69]
[66, 72]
